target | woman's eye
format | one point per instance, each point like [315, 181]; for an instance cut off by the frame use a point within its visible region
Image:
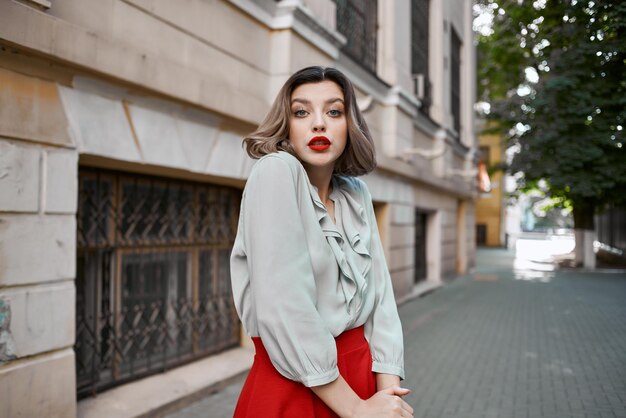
[334, 112]
[300, 113]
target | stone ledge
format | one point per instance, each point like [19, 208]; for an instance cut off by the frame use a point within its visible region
[166, 392]
[419, 290]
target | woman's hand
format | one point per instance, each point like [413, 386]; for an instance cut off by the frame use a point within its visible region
[386, 403]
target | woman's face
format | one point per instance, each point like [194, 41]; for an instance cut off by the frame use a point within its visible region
[318, 129]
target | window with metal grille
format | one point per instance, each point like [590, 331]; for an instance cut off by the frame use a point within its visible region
[419, 51]
[153, 281]
[357, 20]
[455, 84]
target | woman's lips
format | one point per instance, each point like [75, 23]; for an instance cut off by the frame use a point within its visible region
[319, 143]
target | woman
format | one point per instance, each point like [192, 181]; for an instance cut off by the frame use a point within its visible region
[309, 277]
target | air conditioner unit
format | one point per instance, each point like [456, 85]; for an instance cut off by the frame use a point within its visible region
[419, 81]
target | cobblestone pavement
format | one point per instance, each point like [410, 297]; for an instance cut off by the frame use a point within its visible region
[507, 342]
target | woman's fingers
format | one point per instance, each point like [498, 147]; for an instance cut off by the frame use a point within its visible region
[407, 408]
[404, 408]
[388, 403]
[397, 390]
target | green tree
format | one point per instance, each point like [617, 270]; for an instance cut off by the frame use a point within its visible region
[554, 73]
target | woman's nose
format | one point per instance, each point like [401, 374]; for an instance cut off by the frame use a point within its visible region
[319, 125]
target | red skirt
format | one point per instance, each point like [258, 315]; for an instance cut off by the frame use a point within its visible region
[268, 394]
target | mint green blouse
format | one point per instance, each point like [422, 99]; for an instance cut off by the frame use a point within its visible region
[299, 280]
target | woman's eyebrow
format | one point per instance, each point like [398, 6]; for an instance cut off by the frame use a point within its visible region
[305, 101]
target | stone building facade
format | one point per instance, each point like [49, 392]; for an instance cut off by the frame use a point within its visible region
[121, 169]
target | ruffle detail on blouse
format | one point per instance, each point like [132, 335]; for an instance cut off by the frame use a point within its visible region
[356, 261]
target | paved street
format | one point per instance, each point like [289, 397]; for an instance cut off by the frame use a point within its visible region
[503, 342]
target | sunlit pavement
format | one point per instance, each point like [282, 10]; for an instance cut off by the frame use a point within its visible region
[516, 338]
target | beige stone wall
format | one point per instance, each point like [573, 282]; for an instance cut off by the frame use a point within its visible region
[442, 244]
[46, 126]
[181, 51]
[171, 49]
[155, 134]
[38, 189]
[39, 386]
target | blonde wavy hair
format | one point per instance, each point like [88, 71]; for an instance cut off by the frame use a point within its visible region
[272, 135]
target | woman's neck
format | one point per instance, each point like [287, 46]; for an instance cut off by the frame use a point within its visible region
[320, 177]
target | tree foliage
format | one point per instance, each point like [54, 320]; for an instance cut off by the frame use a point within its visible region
[554, 73]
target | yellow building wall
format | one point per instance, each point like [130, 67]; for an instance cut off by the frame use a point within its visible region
[489, 206]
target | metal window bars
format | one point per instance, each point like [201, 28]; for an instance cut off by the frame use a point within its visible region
[153, 281]
[455, 82]
[357, 20]
[420, 51]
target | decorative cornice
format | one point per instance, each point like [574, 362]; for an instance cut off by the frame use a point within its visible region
[459, 149]
[305, 22]
[426, 124]
[291, 14]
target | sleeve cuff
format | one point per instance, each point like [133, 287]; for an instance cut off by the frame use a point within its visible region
[388, 368]
[320, 379]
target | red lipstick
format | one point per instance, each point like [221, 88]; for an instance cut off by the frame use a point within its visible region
[319, 143]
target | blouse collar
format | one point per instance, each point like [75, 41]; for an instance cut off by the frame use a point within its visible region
[354, 259]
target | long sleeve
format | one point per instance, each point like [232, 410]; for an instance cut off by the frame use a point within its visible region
[283, 292]
[383, 329]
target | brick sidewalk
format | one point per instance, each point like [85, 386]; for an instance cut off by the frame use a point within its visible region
[504, 343]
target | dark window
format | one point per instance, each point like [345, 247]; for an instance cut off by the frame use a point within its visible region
[419, 51]
[420, 245]
[611, 228]
[153, 282]
[455, 71]
[481, 234]
[357, 20]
